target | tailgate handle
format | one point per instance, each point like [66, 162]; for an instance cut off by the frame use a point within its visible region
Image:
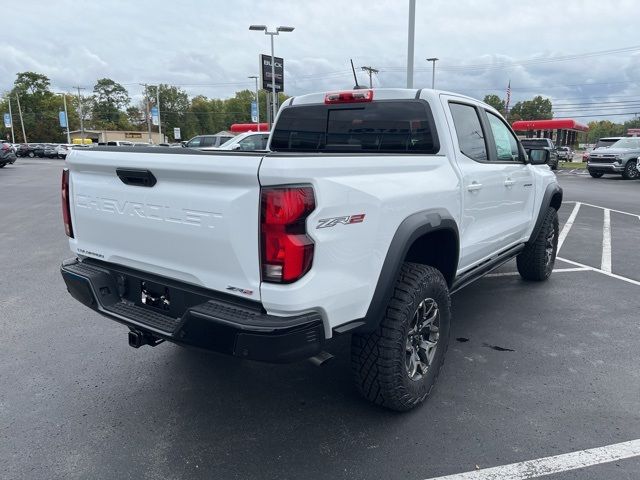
[136, 178]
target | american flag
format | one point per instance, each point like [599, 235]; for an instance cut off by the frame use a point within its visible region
[508, 97]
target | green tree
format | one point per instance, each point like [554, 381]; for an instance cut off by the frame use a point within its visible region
[496, 102]
[604, 128]
[108, 103]
[538, 108]
[39, 108]
[174, 108]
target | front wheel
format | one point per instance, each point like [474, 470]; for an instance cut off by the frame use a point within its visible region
[31, 154]
[537, 259]
[595, 174]
[631, 170]
[396, 366]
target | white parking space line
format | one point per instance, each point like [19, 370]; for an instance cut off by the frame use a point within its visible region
[605, 208]
[556, 270]
[609, 274]
[555, 464]
[606, 242]
[568, 225]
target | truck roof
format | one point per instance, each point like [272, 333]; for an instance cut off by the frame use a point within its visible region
[380, 94]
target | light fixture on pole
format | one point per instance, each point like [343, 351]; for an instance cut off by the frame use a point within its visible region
[433, 60]
[255, 77]
[263, 28]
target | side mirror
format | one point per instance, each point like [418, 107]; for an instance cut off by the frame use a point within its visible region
[538, 156]
[237, 146]
[184, 143]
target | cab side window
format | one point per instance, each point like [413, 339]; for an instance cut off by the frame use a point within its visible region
[208, 141]
[469, 131]
[506, 144]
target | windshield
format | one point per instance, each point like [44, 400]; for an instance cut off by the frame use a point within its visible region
[535, 142]
[627, 143]
[606, 142]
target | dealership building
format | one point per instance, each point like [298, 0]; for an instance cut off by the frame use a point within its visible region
[100, 136]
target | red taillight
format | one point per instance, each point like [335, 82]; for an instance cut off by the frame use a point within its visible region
[287, 250]
[66, 209]
[349, 96]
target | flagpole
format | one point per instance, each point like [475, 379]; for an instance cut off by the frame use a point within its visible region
[13, 136]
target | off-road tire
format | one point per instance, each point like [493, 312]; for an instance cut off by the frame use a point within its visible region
[378, 358]
[630, 170]
[533, 262]
[595, 174]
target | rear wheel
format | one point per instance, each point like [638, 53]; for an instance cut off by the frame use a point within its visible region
[595, 174]
[537, 259]
[396, 366]
[31, 154]
[631, 170]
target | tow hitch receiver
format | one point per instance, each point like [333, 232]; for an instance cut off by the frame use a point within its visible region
[137, 339]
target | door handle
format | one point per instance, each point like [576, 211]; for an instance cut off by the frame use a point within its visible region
[509, 183]
[474, 186]
[135, 177]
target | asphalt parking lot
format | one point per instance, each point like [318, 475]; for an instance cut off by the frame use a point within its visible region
[533, 370]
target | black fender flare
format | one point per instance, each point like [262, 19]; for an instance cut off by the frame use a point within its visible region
[411, 228]
[552, 190]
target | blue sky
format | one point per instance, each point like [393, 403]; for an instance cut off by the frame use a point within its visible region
[206, 47]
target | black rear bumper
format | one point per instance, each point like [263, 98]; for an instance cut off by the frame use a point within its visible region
[197, 317]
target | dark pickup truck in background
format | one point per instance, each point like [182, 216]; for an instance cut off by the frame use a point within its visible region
[543, 143]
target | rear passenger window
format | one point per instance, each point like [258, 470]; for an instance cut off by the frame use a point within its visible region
[384, 126]
[469, 131]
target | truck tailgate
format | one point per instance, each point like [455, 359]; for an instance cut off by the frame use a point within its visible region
[198, 223]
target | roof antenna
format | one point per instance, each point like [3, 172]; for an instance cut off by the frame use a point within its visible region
[357, 87]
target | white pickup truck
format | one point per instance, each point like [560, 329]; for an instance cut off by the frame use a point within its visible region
[369, 210]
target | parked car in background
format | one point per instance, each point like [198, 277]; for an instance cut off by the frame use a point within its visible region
[62, 150]
[201, 141]
[565, 154]
[45, 150]
[26, 150]
[6, 154]
[620, 157]
[119, 143]
[249, 141]
[546, 144]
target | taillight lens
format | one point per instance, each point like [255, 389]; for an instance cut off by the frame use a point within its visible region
[66, 209]
[287, 250]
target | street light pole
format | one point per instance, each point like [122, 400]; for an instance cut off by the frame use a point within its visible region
[410, 42]
[255, 77]
[66, 115]
[158, 107]
[272, 34]
[433, 61]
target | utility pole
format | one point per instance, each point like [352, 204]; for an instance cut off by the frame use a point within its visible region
[146, 103]
[257, 101]
[410, 41]
[13, 137]
[24, 135]
[81, 113]
[370, 71]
